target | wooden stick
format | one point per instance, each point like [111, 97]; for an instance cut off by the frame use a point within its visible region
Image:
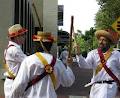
[36, 14]
[70, 37]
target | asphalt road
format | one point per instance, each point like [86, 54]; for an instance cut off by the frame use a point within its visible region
[82, 76]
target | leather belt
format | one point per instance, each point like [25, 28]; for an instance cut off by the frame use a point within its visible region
[104, 81]
[11, 78]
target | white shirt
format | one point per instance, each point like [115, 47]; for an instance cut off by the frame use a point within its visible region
[64, 56]
[14, 56]
[32, 66]
[93, 60]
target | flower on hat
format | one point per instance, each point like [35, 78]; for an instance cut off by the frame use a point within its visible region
[16, 30]
[113, 36]
[43, 36]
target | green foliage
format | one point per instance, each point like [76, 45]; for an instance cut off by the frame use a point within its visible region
[109, 11]
[88, 41]
[102, 20]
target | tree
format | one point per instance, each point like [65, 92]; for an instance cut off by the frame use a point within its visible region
[109, 11]
[86, 41]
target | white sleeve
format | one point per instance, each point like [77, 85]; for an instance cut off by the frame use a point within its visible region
[85, 63]
[118, 67]
[65, 75]
[21, 81]
[16, 54]
[19, 55]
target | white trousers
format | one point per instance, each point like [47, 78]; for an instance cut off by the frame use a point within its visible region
[7, 87]
[103, 90]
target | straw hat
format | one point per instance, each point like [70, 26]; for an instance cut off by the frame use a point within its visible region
[44, 37]
[16, 30]
[113, 36]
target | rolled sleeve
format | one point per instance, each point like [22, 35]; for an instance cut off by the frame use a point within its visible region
[65, 75]
[68, 77]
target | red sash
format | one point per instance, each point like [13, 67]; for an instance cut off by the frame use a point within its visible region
[39, 77]
[106, 68]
